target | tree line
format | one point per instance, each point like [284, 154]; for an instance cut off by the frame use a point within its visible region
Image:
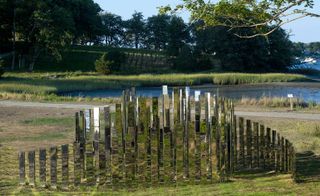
[31, 28]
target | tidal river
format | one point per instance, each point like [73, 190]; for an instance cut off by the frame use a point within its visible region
[305, 91]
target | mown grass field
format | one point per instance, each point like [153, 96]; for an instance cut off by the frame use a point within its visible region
[30, 124]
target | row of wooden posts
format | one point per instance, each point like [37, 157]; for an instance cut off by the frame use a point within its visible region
[156, 140]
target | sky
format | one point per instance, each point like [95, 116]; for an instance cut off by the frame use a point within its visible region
[303, 30]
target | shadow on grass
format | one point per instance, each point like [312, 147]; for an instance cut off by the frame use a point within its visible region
[307, 167]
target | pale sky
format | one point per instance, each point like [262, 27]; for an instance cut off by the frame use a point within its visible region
[304, 30]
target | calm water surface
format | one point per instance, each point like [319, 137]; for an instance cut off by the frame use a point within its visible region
[305, 92]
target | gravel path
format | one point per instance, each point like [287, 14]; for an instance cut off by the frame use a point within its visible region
[288, 115]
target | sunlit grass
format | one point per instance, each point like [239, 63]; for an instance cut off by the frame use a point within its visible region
[46, 83]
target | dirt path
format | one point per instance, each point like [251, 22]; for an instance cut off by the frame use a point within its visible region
[288, 115]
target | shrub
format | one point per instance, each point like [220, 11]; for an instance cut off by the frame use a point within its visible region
[1, 67]
[117, 58]
[103, 65]
[110, 62]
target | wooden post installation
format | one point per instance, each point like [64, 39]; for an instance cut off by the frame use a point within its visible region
[32, 167]
[208, 135]
[53, 166]
[42, 167]
[22, 168]
[197, 139]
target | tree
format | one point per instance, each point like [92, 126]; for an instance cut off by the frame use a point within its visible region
[178, 35]
[237, 54]
[113, 29]
[258, 15]
[157, 28]
[135, 29]
[1, 67]
[87, 20]
[102, 65]
[43, 26]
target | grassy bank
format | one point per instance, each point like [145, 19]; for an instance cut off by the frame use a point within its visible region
[53, 83]
[304, 134]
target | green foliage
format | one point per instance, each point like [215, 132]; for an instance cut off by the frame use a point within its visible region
[1, 67]
[117, 58]
[110, 62]
[257, 15]
[103, 65]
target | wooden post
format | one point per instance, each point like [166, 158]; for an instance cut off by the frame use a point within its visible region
[65, 164]
[107, 140]
[42, 167]
[268, 149]
[77, 127]
[96, 135]
[208, 135]
[22, 168]
[256, 145]
[278, 153]
[173, 135]
[249, 142]
[286, 155]
[32, 167]
[197, 139]
[82, 143]
[262, 147]
[185, 140]
[131, 140]
[242, 144]
[273, 150]
[77, 163]
[53, 166]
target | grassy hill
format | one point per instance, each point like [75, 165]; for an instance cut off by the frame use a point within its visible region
[82, 58]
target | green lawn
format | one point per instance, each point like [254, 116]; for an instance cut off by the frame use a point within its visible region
[303, 134]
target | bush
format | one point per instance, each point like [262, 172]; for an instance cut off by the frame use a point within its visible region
[110, 62]
[117, 58]
[103, 65]
[1, 67]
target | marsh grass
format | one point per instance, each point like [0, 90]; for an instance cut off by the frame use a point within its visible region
[277, 102]
[48, 83]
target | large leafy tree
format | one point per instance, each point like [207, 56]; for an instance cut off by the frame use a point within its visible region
[43, 26]
[238, 54]
[113, 29]
[258, 15]
[157, 28]
[49, 25]
[135, 30]
[178, 35]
